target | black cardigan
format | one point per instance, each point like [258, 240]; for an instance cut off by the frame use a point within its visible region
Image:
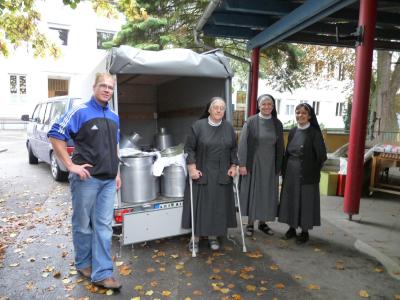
[196, 150]
[313, 155]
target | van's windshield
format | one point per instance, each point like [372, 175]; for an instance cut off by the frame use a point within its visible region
[77, 101]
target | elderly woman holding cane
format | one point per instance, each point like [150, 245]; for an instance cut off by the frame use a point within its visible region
[212, 160]
[304, 157]
[260, 159]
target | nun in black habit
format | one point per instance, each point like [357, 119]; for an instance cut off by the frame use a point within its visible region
[211, 149]
[303, 160]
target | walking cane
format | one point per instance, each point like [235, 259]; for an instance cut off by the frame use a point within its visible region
[191, 213]
[236, 180]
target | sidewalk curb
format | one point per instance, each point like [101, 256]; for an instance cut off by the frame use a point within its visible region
[391, 266]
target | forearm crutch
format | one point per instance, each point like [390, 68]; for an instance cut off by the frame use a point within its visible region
[236, 180]
[191, 214]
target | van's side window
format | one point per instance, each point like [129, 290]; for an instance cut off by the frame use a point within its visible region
[58, 109]
[42, 110]
[47, 114]
[35, 114]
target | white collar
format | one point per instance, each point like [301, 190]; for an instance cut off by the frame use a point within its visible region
[212, 123]
[264, 117]
[304, 126]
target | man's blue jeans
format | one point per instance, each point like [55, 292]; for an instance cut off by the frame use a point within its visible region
[93, 204]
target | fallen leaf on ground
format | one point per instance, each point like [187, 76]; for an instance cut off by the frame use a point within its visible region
[138, 288]
[154, 283]
[124, 270]
[14, 265]
[363, 293]
[378, 270]
[187, 298]
[135, 298]
[150, 270]
[149, 293]
[57, 275]
[109, 292]
[179, 267]
[45, 274]
[274, 267]
[166, 293]
[174, 256]
[298, 277]
[254, 254]
[119, 263]
[279, 286]
[198, 293]
[339, 265]
[263, 288]
[396, 297]
[237, 297]
[250, 288]
[313, 287]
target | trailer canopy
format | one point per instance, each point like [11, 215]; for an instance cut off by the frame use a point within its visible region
[174, 62]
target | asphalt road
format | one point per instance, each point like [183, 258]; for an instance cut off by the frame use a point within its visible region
[36, 256]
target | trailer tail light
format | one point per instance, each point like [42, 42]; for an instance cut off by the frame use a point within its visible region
[119, 214]
[70, 150]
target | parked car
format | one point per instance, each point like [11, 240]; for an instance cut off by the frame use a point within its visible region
[37, 143]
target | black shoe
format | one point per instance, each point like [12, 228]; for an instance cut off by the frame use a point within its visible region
[265, 228]
[249, 230]
[291, 233]
[302, 238]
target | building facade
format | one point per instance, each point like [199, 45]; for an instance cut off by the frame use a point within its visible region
[79, 32]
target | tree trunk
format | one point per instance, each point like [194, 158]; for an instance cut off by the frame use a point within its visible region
[388, 83]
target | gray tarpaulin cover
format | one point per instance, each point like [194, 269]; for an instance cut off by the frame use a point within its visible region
[177, 62]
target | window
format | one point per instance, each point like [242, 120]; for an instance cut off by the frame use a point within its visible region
[289, 110]
[47, 114]
[102, 37]
[339, 108]
[61, 34]
[17, 84]
[57, 110]
[303, 101]
[278, 106]
[315, 105]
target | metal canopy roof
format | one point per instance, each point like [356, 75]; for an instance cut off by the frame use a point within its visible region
[321, 22]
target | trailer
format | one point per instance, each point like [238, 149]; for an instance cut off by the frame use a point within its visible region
[154, 89]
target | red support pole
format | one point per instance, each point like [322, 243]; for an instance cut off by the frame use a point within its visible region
[359, 113]
[255, 62]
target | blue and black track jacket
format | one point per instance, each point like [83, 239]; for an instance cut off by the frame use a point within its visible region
[95, 131]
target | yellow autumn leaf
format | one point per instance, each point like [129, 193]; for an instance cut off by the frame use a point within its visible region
[363, 293]
[187, 298]
[237, 297]
[378, 270]
[109, 292]
[138, 288]
[231, 272]
[263, 288]
[166, 293]
[231, 285]
[279, 286]
[224, 290]
[216, 270]
[150, 270]
[174, 256]
[135, 298]
[313, 287]
[179, 267]
[162, 269]
[298, 277]
[73, 272]
[119, 263]
[274, 267]
[250, 288]
[149, 293]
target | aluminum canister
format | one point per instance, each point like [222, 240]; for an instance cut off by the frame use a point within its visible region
[138, 182]
[173, 181]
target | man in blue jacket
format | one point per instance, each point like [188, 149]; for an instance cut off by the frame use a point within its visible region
[94, 178]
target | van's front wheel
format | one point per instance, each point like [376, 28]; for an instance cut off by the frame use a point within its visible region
[56, 172]
[33, 160]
